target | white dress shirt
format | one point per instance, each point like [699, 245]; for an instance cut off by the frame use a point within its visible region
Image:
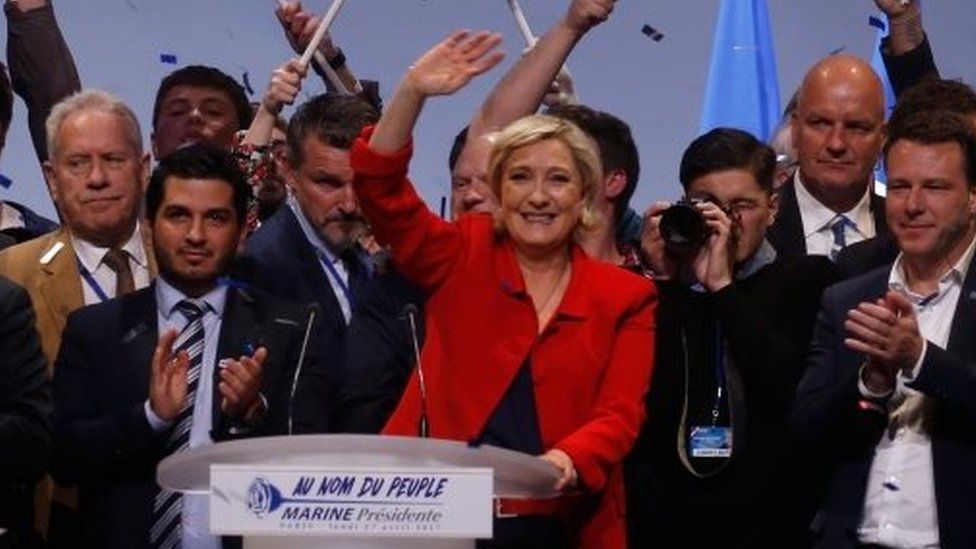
[817, 220]
[91, 258]
[10, 217]
[899, 504]
[338, 275]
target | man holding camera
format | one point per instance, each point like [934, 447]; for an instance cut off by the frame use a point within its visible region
[732, 331]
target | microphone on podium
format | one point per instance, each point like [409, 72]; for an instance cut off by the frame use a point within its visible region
[423, 428]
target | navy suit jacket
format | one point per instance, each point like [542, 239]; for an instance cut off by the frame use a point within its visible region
[104, 442]
[279, 259]
[827, 415]
[786, 233]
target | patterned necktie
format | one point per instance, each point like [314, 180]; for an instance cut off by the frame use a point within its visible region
[837, 227]
[166, 531]
[118, 261]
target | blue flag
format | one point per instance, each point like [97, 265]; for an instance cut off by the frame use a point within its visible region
[743, 89]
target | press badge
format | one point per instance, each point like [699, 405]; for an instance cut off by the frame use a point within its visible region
[711, 442]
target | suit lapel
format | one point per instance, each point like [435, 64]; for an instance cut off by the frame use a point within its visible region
[961, 340]
[60, 284]
[239, 328]
[786, 234]
[878, 213]
[313, 273]
[140, 332]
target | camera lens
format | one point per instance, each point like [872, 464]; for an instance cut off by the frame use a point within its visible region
[683, 229]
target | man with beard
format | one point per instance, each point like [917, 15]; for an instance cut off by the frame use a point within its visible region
[308, 251]
[186, 362]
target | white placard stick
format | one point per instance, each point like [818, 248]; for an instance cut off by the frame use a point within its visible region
[530, 40]
[313, 45]
[522, 23]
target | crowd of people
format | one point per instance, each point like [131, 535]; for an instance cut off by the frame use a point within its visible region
[782, 357]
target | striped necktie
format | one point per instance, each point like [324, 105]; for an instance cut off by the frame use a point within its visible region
[166, 532]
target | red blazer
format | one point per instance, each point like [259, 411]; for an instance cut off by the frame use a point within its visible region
[590, 367]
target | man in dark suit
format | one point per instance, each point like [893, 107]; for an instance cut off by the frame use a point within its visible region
[25, 416]
[186, 362]
[309, 250]
[838, 129]
[887, 400]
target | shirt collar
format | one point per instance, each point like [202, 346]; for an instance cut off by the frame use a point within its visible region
[955, 276]
[312, 235]
[167, 297]
[817, 216]
[765, 255]
[91, 255]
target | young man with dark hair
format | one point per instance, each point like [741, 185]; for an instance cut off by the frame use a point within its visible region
[886, 403]
[181, 364]
[198, 104]
[733, 324]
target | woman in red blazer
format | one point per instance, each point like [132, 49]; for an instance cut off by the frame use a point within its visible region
[530, 343]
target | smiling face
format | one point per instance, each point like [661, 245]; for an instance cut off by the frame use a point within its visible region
[541, 197]
[96, 176]
[930, 204]
[195, 232]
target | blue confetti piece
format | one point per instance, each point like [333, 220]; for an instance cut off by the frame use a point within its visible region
[167, 58]
[247, 83]
[838, 50]
[877, 23]
[5, 182]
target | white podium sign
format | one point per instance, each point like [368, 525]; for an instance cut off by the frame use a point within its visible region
[268, 500]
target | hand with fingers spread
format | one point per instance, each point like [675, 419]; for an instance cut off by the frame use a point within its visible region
[713, 265]
[886, 331]
[568, 478]
[240, 383]
[443, 70]
[168, 378]
[586, 14]
[286, 82]
[448, 66]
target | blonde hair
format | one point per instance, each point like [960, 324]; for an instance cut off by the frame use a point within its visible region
[540, 127]
[90, 100]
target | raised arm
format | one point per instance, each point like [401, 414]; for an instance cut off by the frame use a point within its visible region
[299, 26]
[522, 89]
[286, 82]
[424, 246]
[906, 52]
[443, 70]
[42, 69]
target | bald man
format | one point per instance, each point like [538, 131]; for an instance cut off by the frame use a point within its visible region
[838, 130]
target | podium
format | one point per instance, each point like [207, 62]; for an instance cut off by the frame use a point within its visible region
[355, 491]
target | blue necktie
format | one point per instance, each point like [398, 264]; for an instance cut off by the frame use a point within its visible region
[837, 227]
[166, 531]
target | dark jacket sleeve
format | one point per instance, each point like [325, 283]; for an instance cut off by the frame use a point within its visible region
[93, 444]
[951, 380]
[908, 69]
[42, 69]
[25, 394]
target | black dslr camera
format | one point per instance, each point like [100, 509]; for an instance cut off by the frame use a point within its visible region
[683, 227]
